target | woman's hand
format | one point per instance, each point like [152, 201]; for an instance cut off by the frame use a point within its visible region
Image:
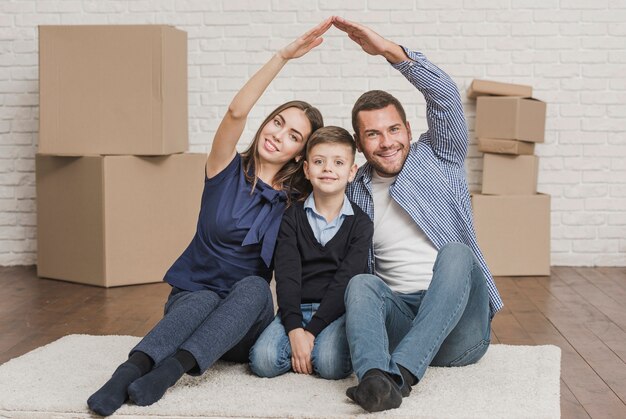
[306, 42]
[301, 347]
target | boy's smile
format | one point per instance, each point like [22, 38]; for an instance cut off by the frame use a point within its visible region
[329, 167]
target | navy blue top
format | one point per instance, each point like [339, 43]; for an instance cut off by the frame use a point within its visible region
[236, 233]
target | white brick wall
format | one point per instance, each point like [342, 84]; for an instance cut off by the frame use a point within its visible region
[571, 51]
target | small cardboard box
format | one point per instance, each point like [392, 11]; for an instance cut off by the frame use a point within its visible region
[513, 232]
[510, 175]
[115, 220]
[512, 118]
[112, 89]
[500, 146]
[495, 88]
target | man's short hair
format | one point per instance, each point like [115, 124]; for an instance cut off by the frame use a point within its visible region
[330, 135]
[374, 100]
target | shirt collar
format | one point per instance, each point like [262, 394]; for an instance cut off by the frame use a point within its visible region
[364, 174]
[346, 208]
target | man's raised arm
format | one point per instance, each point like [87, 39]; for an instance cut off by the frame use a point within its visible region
[447, 130]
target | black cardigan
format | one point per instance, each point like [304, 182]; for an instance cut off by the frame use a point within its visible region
[307, 272]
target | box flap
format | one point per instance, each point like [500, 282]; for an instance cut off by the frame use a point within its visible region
[495, 88]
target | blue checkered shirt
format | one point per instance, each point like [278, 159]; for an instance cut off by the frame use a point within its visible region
[431, 187]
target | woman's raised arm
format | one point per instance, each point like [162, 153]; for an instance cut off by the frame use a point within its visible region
[234, 121]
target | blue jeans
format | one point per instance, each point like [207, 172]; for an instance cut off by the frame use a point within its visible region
[271, 354]
[210, 327]
[447, 325]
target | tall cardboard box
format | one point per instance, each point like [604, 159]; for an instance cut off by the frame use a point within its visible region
[115, 220]
[112, 89]
[512, 118]
[510, 175]
[513, 232]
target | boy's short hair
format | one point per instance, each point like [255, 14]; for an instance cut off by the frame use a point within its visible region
[330, 135]
[374, 100]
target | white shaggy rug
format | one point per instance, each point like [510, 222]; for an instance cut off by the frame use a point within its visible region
[54, 381]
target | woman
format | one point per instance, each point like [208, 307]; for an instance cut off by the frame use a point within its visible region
[220, 300]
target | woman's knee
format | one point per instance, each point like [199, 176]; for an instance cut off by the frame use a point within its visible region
[195, 300]
[254, 292]
[253, 285]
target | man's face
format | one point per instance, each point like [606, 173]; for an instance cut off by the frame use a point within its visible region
[384, 140]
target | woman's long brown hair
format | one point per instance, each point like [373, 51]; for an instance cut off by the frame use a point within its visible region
[291, 175]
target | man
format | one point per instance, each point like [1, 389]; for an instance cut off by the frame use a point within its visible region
[430, 298]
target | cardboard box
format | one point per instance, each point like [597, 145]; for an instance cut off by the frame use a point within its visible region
[512, 118]
[494, 88]
[112, 89]
[510, 175]
[500, 146]
[115, 220]
[513, 233]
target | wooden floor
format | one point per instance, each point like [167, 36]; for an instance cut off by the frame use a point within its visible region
[581, 310]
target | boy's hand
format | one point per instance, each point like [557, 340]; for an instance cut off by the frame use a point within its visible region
[301, 347]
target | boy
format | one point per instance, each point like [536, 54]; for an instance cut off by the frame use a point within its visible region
[322, 243]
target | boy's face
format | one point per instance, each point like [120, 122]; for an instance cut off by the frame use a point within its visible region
[329, 168]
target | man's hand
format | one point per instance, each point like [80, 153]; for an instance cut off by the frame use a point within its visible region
[370, 41]
[301, 347]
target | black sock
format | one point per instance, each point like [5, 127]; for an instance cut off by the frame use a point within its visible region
[112, 395]
[151, 387]
[407, 376]
[141, 361]
[186, 359]
[377, 391]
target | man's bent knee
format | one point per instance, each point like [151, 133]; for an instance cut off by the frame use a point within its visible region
[362, 284]
[456, 251]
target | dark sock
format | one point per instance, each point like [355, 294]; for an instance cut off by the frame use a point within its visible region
[151, 387]
[113, 393]
[186, 359]
[377, 391]
[141, 361]
[409, 380]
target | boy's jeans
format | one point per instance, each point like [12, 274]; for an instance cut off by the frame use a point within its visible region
[271, 354]
[447, 325]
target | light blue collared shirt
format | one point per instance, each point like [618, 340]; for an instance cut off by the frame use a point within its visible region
[323, 230]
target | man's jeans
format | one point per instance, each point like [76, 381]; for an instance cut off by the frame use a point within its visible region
[447, 325]
[271, 354]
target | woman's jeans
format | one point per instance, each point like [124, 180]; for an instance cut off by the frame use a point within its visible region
[210, 327]
[271, 354]
[447, 325]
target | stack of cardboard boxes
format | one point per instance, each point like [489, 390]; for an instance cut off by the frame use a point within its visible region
[117, 197]
[511, 219]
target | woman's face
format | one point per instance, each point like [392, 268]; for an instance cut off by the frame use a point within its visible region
[284, 136]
